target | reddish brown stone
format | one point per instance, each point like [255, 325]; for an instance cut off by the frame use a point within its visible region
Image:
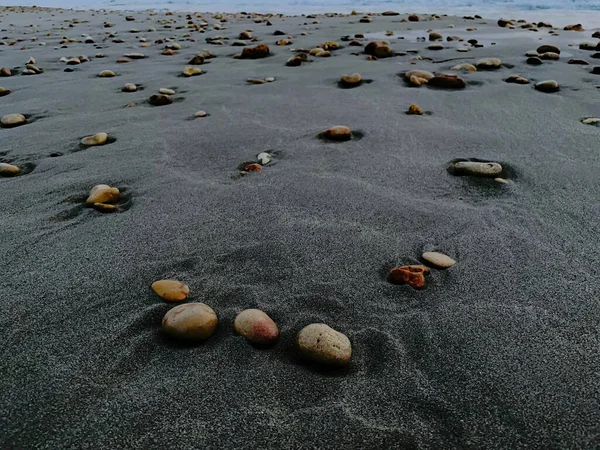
[447, 81]
[414, 276]
[253, 167]
[260, 51]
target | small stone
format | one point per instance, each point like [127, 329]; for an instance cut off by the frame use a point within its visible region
[168, 52]
[256, 326]
[166, 91]
[489, 64]
[238, 43]
[447, 81]
[283, 42]
[4, 92]
[123, 60]
[160, 100]
[534, 61]
[596, 70]
[517, 79]
[413, 18]
[135, 56]
[581, 62]
[477, 169]
[260, 51]
[436, 47]
[129, 87]
[338, 133]
[378, 49]
[190, 322]
[532, 53]
[462, 49]
[171, 290]
[103, 193]
[390, 13]
[104, 207]
[365, 20]
[197, 60]
[591, 121]
[201, 114]
[96, 139]
[12, 120]
[435, 37]
[253, 167]
[73, 61]
[550, 56]
[245, 35]
[576, 27]
[466, 67]
[192, 71]
[294, 61]
[8, 170]
[548, 49]
[323, 344]
[501, 180]
[414, 109]
[263, 158]
[413, 275]
[547, 86]
[270, 79]
[596, 34]
[418, 77]
[438, 260]
[106, 74]
[351, 80]
[255, 81]
[5, 72]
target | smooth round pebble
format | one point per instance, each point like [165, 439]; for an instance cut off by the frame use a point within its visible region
[171, 290]
[256, 326]
[481, 169]
[12, 120]
[103, 193]
[166, 91]
[323, 344]
[190, 322]
[106, 74]
[201, 114]
[129, 87]
[547, 86]
[338, 133]
[263, 158]
[438, 260]
[8, 170]
[96, 139]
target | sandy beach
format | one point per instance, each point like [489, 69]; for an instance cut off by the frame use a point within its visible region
[499, 351]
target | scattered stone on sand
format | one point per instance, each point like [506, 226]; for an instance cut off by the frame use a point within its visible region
[260, 51]
[550, 56]
[590, 46]
[547, 49]
[238, 43]
[596, 34]
[191, 71]
[596, 56]
[255, 81]
[435, 36]
[256, 326]
[171, 290]
[351, 80]
[547, 86]
[190, 322]
[532, 53]
[5, 72]
[591, 121]
[505, 23]
[106, 74]
[596, 70]
[337, 133]
[123, 60]
[501, 180]
[581, 62]
[201, 114]
[283, 42]
[435, 47]
[378, 49]
[96, 139]
[462, 49]
[489, 64]
[413, 275]
[413, 18]
[8, 170]
[166, 91]
[295, 61]
[253, 167]
[134, 55]
[466, 67]
[4, 92]
[576, 27]
[414, 109]
[477, 169]
[270, 79]
[534, 61]
[129, 87]
[104, 207]
[13, 120]
[517, 79]
[245, 35]
[390, 13]
[103, 193]
[447, 81]
[73, 62]
[418, 77]
[263, 158]
[324, 345]
[197, 60]
[160, 100]
[438, 260]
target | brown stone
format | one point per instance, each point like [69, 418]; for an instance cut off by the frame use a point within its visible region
[190, 322]
[414, 276]
[337, 133]
[160, 100]
[351, 80]
[256, 326]
[5, 72]
[576, 27]
[517, 79]
[414, 109]
[8, 170]
[260, 51]
[103, 193]
[253, 167]
[447, 81]
[171, 290]
[378, 49]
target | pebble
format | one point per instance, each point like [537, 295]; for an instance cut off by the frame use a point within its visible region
[548, 49]
[467, 67]
[166, 91]
[106, 74]
[532, 53]
[338, 133]
[517, 79]
[191, 71]
[103, 193]
[489, 64]
[123, 60]
[478, 169]
[160, 100]
[197, 60]
[4, 92]
[8, 170]
[294, 61]
[462, 49]
[596, 70]
[263, 158]
[581, 62]
[501, 180]
[190, 322]
[414, 109]
[5, 72]
[534, 61]
[447, 81]
[438, 260]
[129, 87]
[589, 46]
[550, 56]
[96, 139]
[270, 79]
[73, 61]
[378, 49]
[418, 77]
[413, 275]
[576, 27]
[13, 120]
[435, 36]
[351, 80]
[323, 344]
[255, 81]
[256, 326]
[547, 86]
[171, 290]
[591, 121]
[436, 47]
[260, 51]
[135, 55]
[201, 114]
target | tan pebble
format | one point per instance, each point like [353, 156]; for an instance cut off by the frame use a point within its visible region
[5, 72]
[489, 64]
[338, 133]
[438, 260]
[171, 290]
[103, 193]
[255, 81]
[123, 60]
[96, 139]
[466, 67]
[12, 120]
[106, 74]
[8, 170]
[190, 322]
[323, 344]
[191, 71]
[166, 91]
[256, 326]
[501, 180]
[414, 109]
[201, 114]
[351, 80]
[129, 87]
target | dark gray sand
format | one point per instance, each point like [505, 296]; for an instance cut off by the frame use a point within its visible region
[500, 351]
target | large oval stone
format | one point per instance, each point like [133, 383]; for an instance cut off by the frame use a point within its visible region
[171, 290]
[323, 344]
[190, 322]
[256, 326]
